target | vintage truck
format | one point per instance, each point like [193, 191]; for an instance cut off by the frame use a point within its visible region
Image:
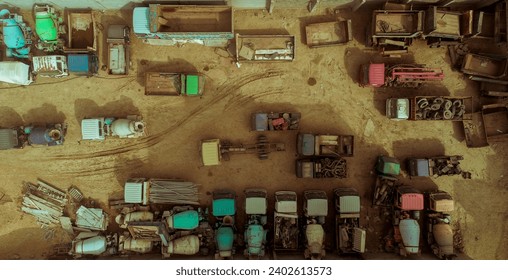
[160, 24]
[213, 151]
[488, 126]
[488, 66]
[408, 202]
[429, 108]
[321, 167]
[16, 35]
[436, 166]
[48, 26]
[144, 191]
[332, 33]
[325, 145]
[394, 30]
[439, 231]
[349, 236]
[255, 235]
[100, 128]
[398, 75]
[15, 72]
[118, 49]
[315, 209]
[174, 84]
[224, 210]
[275, 121]
[45, 135]
[52, 66]
[81, 34]
[251, 48]
[445, 27]
[285, 219]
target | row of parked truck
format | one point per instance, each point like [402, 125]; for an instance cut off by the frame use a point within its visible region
[187, 230]
[405, 205]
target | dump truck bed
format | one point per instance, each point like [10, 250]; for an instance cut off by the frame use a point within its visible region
[394, 23]
[329, 33]
[448, 24]
[286, 231]
[190, 18]
[265, 48]
[162, 84]
[484, 66]
[81, 31]
[488, 126]
[334, 145]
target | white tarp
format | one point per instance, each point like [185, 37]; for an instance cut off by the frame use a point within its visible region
[15, 72]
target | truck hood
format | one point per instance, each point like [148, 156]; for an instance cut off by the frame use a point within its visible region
[410, 233]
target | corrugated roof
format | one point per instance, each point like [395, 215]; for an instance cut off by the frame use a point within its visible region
[210, 153]
[255, 206]
[411, 201]
[349, 204]
[8, 139]
[317, 207]
[377, 74]
[140, 20]
[133, 192]
[90, 129]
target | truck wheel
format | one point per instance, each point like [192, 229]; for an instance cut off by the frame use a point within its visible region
[263, 156]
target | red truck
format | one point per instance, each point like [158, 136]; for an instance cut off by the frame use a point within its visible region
[402, 75]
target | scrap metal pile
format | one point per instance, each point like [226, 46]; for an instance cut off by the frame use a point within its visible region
[439, 108]
[384, 191]
[332, 168]
[46, 203]
[449, 166]
[286, 233]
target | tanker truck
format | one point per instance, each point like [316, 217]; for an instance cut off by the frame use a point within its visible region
[408, 203]
[190, 231]
[315, 207]
[44, 135]
[16, 35]
[102, 127]
[439, 231]
[48, 26]
[224, 209]
[255, 231]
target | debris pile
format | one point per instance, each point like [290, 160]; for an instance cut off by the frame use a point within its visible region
[44, 202]
[332, 168]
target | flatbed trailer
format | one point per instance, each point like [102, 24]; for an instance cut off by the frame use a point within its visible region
[263, 48]
[332, 33]
[160, 24]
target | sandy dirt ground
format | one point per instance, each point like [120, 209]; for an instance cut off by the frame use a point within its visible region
[334, 104]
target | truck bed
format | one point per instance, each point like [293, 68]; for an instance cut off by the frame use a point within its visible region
[265, 48]
[190, 18]
[397, 23]
[420, 112]
[334, 145]
[286, 232]
[329, 33]
[448, 24]
[81, 31]
[485, 66]
[488, 126]
[162, 84]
